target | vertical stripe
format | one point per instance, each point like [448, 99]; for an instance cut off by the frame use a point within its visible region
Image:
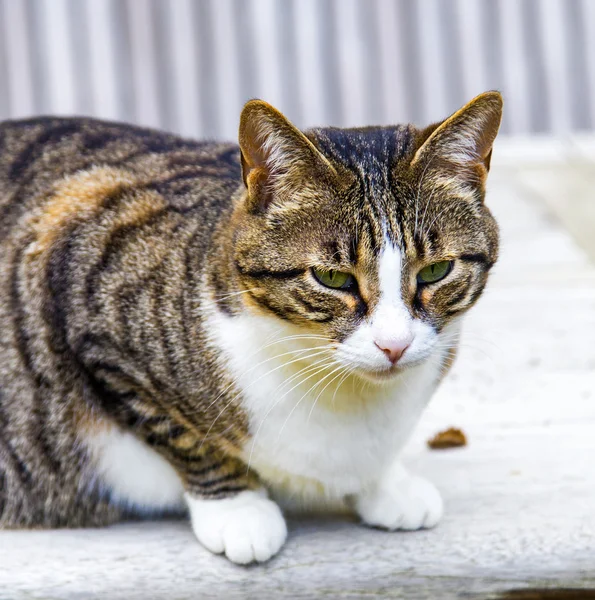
[328, 61]
[450, 53]
[575, 41]
[184, 67]
[54, 20]
[125, 70]
[555, 61]
[471, 39]
[285, 18]
[5, 108]
[39, 70]
[411, 60]
[160, 14]
[393, 97]
[309, 49]
[588, 12]
[514, 65]
[350, 57]
[515, 74]
[108, 57]
[227, 90]
[373, 79]
[491, 32]
[16, 35]
[78, 33]
[537, 97]
[207, 68]
[142, 46]
[267, 52]
[433, 68]
[246, 56]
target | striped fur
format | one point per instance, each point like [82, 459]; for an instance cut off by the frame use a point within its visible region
[95, 308]
[118, 244]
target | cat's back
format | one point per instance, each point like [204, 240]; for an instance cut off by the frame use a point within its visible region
[37, 154]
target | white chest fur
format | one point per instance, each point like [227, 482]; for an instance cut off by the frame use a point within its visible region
[133, 472]
[312, 444]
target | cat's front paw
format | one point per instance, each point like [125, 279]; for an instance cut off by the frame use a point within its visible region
[400, 501]
[247, 528]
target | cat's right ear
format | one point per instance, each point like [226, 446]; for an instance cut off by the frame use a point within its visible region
[459, 149]
[276, 156]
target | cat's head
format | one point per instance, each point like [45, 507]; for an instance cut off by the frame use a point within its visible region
[375, 238]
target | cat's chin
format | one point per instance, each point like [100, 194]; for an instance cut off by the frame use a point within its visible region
[381, 377]
[386, 376]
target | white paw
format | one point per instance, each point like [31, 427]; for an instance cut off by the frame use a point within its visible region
[401, 501]
[248, 527]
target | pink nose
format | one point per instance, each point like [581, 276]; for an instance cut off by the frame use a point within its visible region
[393, 350]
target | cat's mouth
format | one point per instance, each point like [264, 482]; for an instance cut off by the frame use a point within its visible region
[383, 375]
[380, 376]
[375, 373]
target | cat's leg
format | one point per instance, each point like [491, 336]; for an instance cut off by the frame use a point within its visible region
[399, 500]
[229, 510]
[247, 527]
[232, 514]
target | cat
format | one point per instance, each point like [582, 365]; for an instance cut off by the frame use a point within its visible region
[229, 329]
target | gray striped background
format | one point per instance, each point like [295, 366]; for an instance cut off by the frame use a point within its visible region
[189, 65]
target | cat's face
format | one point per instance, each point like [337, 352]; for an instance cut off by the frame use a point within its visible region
[374, 239]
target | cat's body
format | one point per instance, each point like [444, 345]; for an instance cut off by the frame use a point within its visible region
[40, 410]
[168, 338]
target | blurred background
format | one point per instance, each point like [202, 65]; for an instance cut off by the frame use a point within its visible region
[188, 65]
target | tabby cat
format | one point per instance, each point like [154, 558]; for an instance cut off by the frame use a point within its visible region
[220, 329]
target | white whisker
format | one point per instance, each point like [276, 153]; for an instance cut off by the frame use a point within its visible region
[319, 369]
[319, 382]
[340, 374]
[238, 395]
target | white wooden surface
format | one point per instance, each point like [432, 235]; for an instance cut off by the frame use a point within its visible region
[520, 498]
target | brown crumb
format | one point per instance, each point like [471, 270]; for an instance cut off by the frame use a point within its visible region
[450, 438]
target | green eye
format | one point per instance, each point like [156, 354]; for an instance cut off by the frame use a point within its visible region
[334, 279]
[435, 272]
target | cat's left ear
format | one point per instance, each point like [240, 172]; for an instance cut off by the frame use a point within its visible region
[462, 144]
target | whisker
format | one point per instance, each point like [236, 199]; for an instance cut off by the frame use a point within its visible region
[238, 395]
[340, 374]
[301, 371]
[348, 372]
[320, 369]
[231, 294]
[290, 338]
[318, 366]
[319, 382]
[469, 346]
[246, 372]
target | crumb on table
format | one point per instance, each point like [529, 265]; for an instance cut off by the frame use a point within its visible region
[449, 438]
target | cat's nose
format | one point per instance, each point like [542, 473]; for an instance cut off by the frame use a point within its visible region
[393, 350]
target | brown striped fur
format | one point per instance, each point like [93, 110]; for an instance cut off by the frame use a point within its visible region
[113, 238]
